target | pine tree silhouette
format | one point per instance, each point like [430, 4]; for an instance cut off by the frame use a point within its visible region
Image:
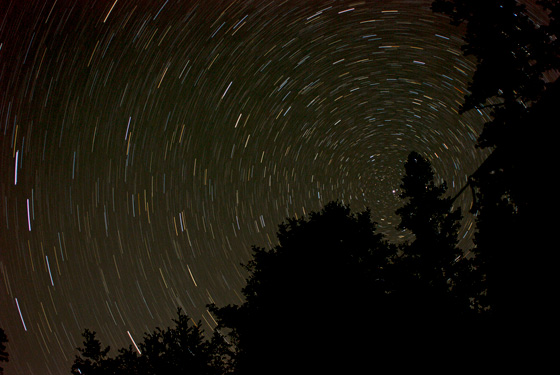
[173, 351]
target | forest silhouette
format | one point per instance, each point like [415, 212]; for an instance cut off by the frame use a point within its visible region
[335, 292]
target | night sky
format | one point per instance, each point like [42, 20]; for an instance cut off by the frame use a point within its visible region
[146, 145]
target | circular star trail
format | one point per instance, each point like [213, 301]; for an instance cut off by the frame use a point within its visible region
[146, 145]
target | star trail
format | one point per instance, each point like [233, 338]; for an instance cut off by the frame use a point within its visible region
[146, 145]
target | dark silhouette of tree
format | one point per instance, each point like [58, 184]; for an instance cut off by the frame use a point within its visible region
[92, 359]
[432, 220]
[313, 299]
[4, 356]
[433, 283]
[432, 266]
[361, 302]
[512, 51]
[178, 350]
[516, 77]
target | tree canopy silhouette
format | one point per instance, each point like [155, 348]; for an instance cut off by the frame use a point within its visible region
[333, 292]
[344, 281]
[178, 350]
[299, 295]
[516, 78]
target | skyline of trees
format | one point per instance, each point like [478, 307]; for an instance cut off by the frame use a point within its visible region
[172, 351]
[331, 281]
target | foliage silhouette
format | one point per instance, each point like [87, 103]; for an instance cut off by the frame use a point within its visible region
[4, 356]
[511, 50]
[333, 272]
[333, 292]
[516, 77]
[432, 266]
[323, 266]
[178, 350]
